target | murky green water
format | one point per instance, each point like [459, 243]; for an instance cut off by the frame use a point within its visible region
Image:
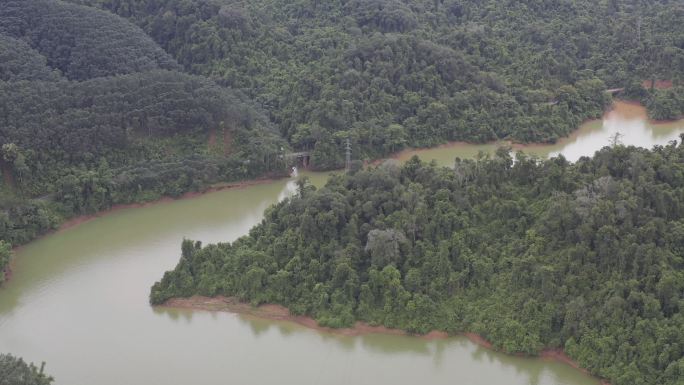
[626, 119]
[78, 300]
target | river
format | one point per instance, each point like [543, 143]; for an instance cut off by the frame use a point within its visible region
[78, 300]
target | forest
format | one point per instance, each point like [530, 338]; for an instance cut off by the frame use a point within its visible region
[104, 102]
[94, 113]
[5, 254]
[15, 371]
[118, 101]
[393, 73]
[531, 254]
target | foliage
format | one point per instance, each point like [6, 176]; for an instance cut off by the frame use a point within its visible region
[666, 104]
[14, 371]
[50, 125]
[5, 255]
[122, 125]
[531, 254]
[82, 42]
[21, 222]
[80, 147]
[18, 61]
[95, 111]
[390, 73]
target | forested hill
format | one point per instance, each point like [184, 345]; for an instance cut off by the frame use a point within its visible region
[388, 73]
[82, 42]
[94, 113]
[584, 256]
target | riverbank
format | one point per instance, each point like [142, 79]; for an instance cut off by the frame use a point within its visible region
[624, 109]
[280, 313]
[189, 195]
[407, 153]
[634, 109]
[629, 114]
[80, 219]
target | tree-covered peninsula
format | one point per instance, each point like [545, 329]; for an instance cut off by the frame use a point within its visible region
[531, 254]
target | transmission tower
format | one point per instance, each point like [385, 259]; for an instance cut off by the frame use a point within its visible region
[348, 163]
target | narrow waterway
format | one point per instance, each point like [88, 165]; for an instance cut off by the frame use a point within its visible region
[78, 300]
[628, 120]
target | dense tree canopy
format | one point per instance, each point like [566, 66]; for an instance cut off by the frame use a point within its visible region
[387, 73]
[14, 371]
[18, 61]
[5, 255]
[531, 254]
[82, 42]
[84, 146]
[49, 124]
[95, 113]
[665, 104]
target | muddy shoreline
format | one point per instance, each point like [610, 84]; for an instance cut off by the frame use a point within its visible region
[188, 195]
[281, 313]
[75, 221]
[78, 220]
[635, 109]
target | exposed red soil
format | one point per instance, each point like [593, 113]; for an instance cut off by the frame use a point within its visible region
[659, 84]
[278, 313]
[628, 109]
[281, 313]
[632, 109]
[559, 355]
[478, 339]
[435, 335]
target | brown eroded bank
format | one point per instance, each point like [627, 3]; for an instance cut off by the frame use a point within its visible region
[281, 313]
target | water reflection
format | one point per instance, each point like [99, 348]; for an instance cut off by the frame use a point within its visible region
[451, 355]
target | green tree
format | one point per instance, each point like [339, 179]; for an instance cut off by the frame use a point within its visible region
[14, 371]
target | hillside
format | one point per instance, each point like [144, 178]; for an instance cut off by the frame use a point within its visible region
[82, 42]
[98, 112]
[94, 113]
[391, 73]
[530, 254]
